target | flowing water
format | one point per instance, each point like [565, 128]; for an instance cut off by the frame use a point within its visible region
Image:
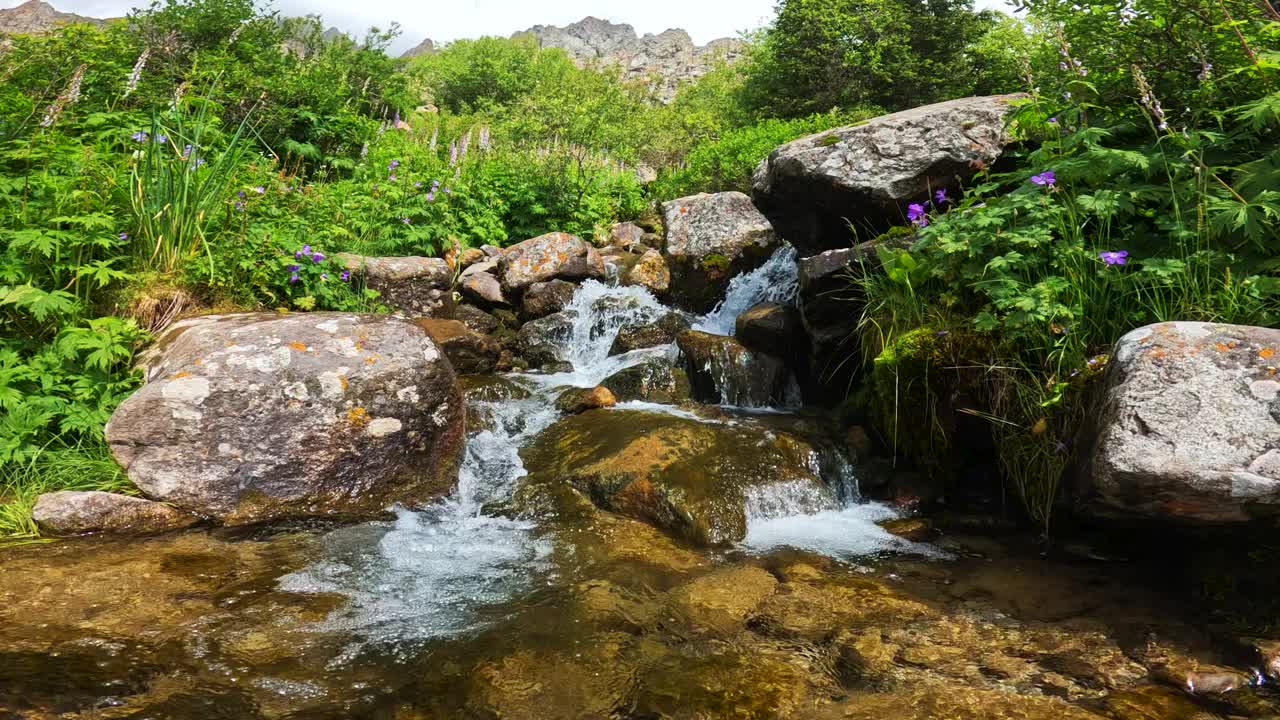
[480, 607]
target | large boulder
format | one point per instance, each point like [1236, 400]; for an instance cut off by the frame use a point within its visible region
[814, 187]
[71, 512]
[258, 416]
[468, 351]
[483, 288]
[1188, 426]
[690, 478]
[413, 286]
[722, 370]
[554, 255]
[709, 239]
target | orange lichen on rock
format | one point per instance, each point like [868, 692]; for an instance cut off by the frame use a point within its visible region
[358, 417]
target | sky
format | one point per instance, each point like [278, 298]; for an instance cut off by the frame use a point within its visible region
[444, 20]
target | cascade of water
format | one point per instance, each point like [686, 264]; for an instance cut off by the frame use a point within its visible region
[774, 281]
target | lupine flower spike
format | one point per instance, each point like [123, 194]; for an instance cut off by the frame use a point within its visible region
[136, 74]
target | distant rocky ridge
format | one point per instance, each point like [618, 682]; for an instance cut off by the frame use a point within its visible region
[671, 56]
[35, 16]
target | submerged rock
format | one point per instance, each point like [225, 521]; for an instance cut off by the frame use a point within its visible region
[257, 416]
[711, 238]
[554, 255]
[580, 400]
[690, 478]
[637, 336]
[468, 351]
[814, 187]
[77, 513]
[414, 286]
[722, 370]
[650, 381]
[1188, 427]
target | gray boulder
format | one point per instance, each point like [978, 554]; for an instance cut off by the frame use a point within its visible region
[650, 272]
[78, 513]
[709, 239]
[814, 187]
[483, 288]
[554, 255]
[544, 298]
[413, 286]
[539, 341]
[476, 319]
[1188, 426]
[650, 381]
[469, 352]
[258, 416]
[636, 336]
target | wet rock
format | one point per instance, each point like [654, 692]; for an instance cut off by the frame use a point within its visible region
[492, 388]
[413, 286]
[468, 351]
[1188, 428]
[545, 298]
[864, 656]
[771, 328]
[649, 272]
[476, 319]
[914, 529]
[483, 288]
[726, 682]
[953, 702]
[858, 442]
[811, 187]
[817, 610]
[78, 513]
[709, 239]
[554, 255]
[1152, 702]
[579, 400]
[257, 416]
[606, 604]
[690, 478]
[552, 686]
[651, 381]
[662, 331]
[537, 339]
[626, 235]
[722, 370]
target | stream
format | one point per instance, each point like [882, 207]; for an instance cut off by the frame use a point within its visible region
[514, 598]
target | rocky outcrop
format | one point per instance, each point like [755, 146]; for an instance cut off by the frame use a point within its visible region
[689, 478]
[709, 239]
[78, 513]
[554, 255]
[469, 352]
[34, 17]
[413, 286]
[813, 188]
[257, 416]
[662, 331]
[666, 59]
[480, 285]
[476, 319]
[1188, 426]
[721, 370]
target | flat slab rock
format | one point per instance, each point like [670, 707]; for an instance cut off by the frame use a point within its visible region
[1188, 427]
[811, 189]
[79, 513]
[259, 416]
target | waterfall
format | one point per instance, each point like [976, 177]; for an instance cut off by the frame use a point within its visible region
[775, 281]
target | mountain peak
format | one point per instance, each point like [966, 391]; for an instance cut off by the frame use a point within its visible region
[37, 16]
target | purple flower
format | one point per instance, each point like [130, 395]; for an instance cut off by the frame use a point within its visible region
[239, 206]
[405, 220]
[186, 150]
[916, 214]
[139, 136]
[162, 138]
[198, 163]
[1044, 179]
[393, 165]
[391, 177]
[940, 197]
[1053, 121]
[240, 194]
[317, 257]
[123, 236]
[293, 278]
[345, 275]
[431, 196]
[293, 268]
[1114, 257]
[418, 184]
[260, 190]
[447, 191]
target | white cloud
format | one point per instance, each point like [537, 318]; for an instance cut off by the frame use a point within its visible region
[442, 21]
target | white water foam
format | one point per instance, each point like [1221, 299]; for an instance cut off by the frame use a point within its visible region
[846, 532]
[775, 281]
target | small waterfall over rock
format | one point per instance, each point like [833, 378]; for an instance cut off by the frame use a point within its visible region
[774, 281]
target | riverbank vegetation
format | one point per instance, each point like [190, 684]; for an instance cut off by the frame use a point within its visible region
[212, 155]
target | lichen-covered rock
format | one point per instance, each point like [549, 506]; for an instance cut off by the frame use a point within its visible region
[637, 336]
[651, 381]
[709, 239]
[483, 288]
[626, 235]
[1188, 427]
[812, 188]
[580, 400]
[771, 328]
[468, 351]
[258, 416]
[544, 298]
[471, 256]
[539, 341]
[690, 478]
[77, 513]
[413, 286]
[554, 255]
[722, 370]
[476, 319]
[650, 272]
